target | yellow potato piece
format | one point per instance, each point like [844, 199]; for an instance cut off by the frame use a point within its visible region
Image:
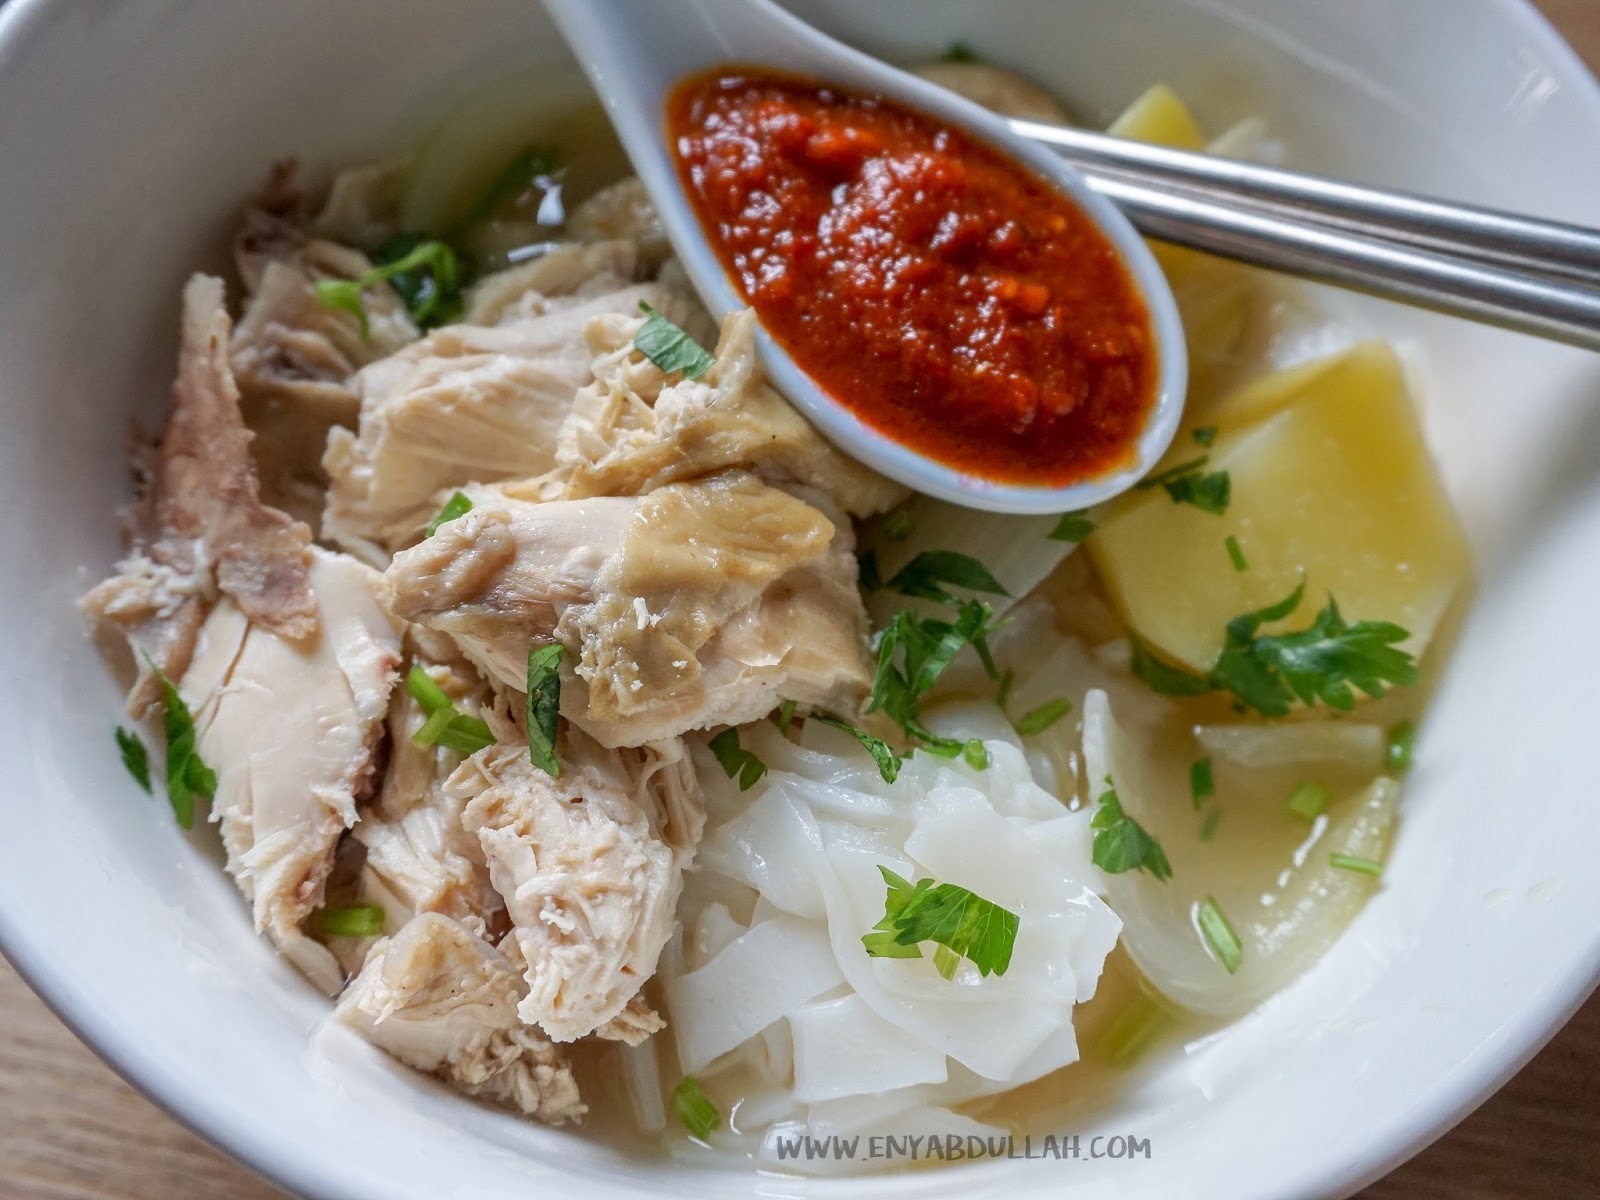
[1331, 479]
[1214, 297]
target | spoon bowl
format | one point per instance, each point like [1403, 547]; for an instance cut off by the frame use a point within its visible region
[636, 51]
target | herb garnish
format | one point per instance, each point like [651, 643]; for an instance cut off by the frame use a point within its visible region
[1309, 800]
[1039, 719]
[1235, 554]
[957, 920]
[1121, 843]
[1397, 753]
[187, 774]
[457, 506]
[1363, 866]
[1321, 663]
[525, 170]
[867, 574]
[897, 525]
[1208, 827]
[134, 757]
[959, 52]
[738, 762]
[1219, 934]
[925, 574]
[425, 274]
[544, 706]
[1072, 527]
[694, 1108]
[444, 725]
[669, 347]
[882, 753]
[1190, 483]
[785, 717]
[1205, 435]
[360, 920]
[1201, 783]
[976, 754]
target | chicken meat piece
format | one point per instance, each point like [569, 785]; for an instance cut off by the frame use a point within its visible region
[418, 857]
[466, 403]
[590, 864]
[631, 431]
[200, 527]
[362, 208]
[622, 210]
[563, 276]
[292, 728]
[293, 356]
[441, 999]
[697, 605]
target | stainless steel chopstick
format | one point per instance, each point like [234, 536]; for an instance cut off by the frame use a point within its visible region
[1459, 286]
[1486, 234]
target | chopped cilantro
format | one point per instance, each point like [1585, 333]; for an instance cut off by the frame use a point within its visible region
[1039, 719]
[359, 920]
[1190, 483]
[955, 919]
[867, 571]
[925, 574]
[882, 754]
[134, 757]
[959, 52]
[187, 774]
[669, 347]
[1121, 843]
[1201, 783]
[1205, 435]
[1072, 527]
[544, 706]
[738, 762]
[1208, 827]
[457, 506]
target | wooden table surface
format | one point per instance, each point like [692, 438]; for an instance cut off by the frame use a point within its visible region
[72, 1130]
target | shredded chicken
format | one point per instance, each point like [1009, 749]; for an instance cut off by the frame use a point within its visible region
[466, 403]
[294, 357]
[622, 210]
[696, 605]
[362, 208]
[292, 729]
[201, 527]
[590, 865]
[419, 858]
[443, 1000]
[631, 431]
[561, 277]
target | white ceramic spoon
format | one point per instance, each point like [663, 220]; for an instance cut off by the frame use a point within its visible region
[634, 51]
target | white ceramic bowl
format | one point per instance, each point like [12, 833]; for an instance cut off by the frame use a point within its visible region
[129, 129]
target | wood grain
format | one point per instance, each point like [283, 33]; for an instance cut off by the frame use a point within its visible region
[71, 1130]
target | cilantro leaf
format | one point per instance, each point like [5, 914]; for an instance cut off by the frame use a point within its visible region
[867, 574]
[457, 506]
[882, 754]
[1324, 663]
[669, 347]
[1190, 483]
[425, 274]
[1073, 527]
[134, 757]
[738, 762]
[1205, 435]
[1201, 781]
[957, 920]
[187, 774]
[924, 575]
[1121, 843]
[544, 706]
[959, 52]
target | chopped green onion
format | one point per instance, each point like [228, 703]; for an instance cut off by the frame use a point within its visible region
[1208, 827]
[1134, 1030]
[1219, 934]
[1201, 783]
[466, 735]
[457, 506]
[1206, 434]
[1047, 714]
[433, 728]
[669, 347]
[342, 295]
[738, 762]
[976, 755]
[1073, 527]
[694, 1108]
[134, 757]
[897, 526]
[785, 716]
[361, 920]
[1003, 695]
[544, 707]
[425, 691]
[1397, 754]
[1236, 555]
[1349, 862]
[1309, 800]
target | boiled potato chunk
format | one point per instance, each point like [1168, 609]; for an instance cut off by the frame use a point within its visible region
[1331, 479]
[1215, 298]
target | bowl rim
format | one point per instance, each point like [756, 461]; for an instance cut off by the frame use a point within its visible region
[253, 1145]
